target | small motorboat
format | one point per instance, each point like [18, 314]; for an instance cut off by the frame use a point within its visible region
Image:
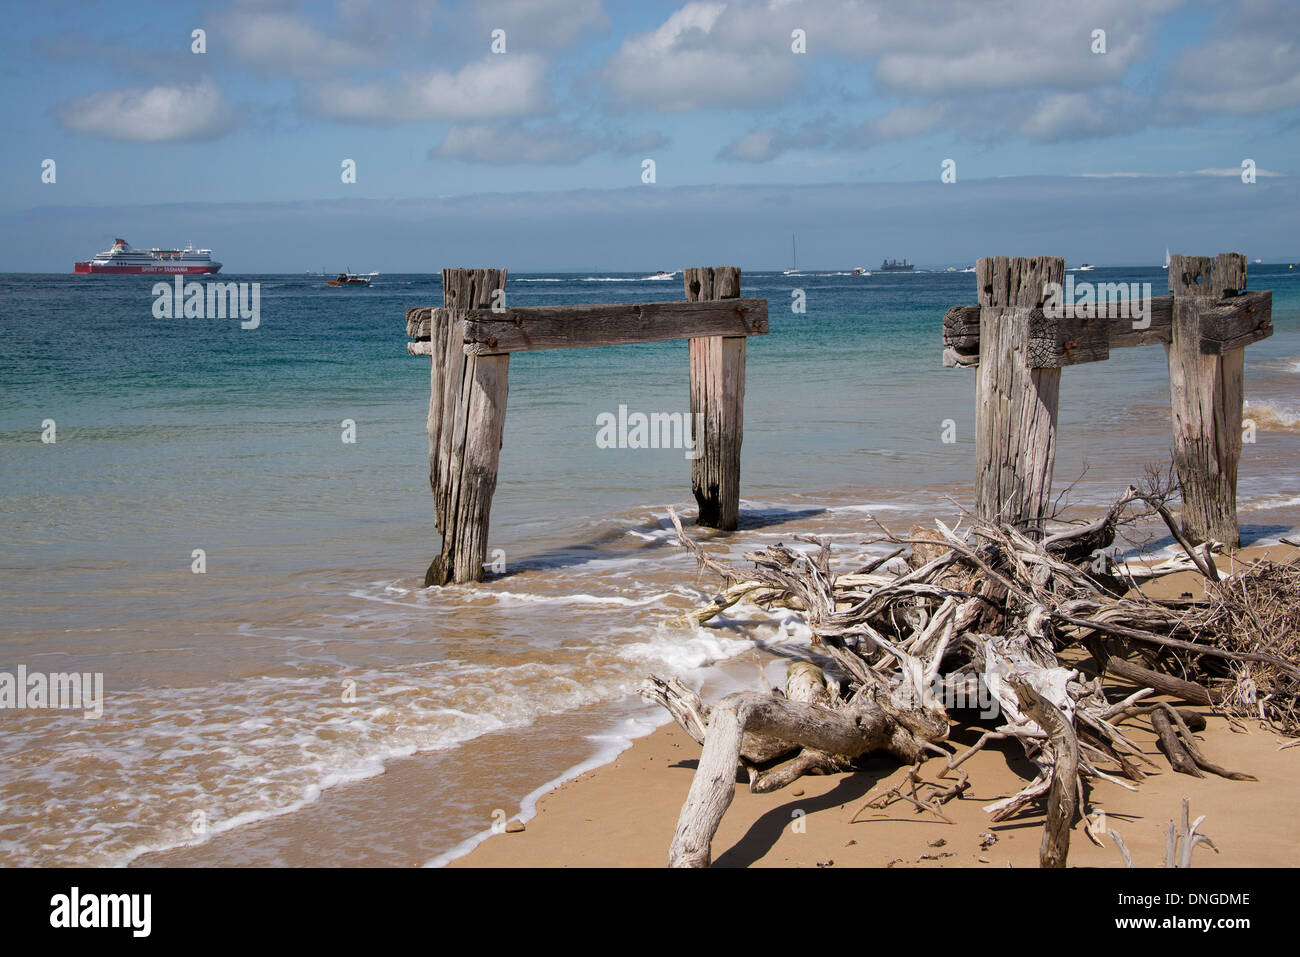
[351, 279]
[664, 274]
[861, 271]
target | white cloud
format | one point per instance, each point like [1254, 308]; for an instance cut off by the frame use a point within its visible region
[501, 145]
[906, 121]
[738, 53]
[1252, 72]
[1232, 171]
[495, 86]
[153, 115]
[286, 43]
[756, 146]
[549, 23]
[684, 65]
[1065, 116]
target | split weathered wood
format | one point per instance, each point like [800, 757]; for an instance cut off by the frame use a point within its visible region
[1053, 342]
[570, 327]
[1016, 415]
[1228, 325]
[1019, 341]
[717, 401]
[467, 407]
[469, 340]
[1206, 396]
[1144, 677]
[1062, 796]
[847, 733]
[1233, 323]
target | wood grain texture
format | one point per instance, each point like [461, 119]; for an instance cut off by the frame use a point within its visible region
[1206, 391]
[845, 733]
[1233, 323]
[1016, 404]
[572, 327]
[467, 400]
[961, 329]
[419, 322]
[717, 382]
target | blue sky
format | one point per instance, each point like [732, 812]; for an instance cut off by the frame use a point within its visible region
[240, 147]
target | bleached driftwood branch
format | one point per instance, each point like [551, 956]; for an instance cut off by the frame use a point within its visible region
[984, 612]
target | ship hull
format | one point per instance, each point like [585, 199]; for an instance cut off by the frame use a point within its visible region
[153, 269]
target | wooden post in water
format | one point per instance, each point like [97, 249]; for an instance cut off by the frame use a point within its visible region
[467, 413]
[1205, 391]
[1016, 416]
[717, 391]
[469, 340]
[1020, 350]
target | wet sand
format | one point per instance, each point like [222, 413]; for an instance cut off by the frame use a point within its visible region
[623, 813]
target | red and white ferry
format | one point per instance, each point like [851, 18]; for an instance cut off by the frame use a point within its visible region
[123, 259]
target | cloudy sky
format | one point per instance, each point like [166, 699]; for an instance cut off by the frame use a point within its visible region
[533, 157]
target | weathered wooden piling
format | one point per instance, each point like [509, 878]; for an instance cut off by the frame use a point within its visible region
[1016, 417]
[467, 413]
[718, 393]
[1020, 350]
[469, 341]
[1205, 388]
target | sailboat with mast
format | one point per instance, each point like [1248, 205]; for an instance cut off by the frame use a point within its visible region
[794, 256]
[1167, 257]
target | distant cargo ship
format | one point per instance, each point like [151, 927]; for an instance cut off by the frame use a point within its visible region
[122, 259]
[893, 265]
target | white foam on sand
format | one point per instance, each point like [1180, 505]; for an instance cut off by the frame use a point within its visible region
[688, 653]
[609, 747]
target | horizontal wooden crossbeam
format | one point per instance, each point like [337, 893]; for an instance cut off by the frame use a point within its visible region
[1229, 324]
[571, 327]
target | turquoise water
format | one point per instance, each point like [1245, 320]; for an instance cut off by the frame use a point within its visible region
[222, 688]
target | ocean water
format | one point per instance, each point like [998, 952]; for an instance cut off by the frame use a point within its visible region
[307, 658]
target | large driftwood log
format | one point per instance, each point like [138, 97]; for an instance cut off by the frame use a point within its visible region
[1061, 797]
[844, 733]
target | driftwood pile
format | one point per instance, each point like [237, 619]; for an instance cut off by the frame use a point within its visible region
[991, 615]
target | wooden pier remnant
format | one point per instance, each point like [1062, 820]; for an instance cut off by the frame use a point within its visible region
[718, 392]
[1020, 341]
[1016, 417]
[469, 340]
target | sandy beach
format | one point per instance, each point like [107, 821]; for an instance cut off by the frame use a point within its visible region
[623, 814]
